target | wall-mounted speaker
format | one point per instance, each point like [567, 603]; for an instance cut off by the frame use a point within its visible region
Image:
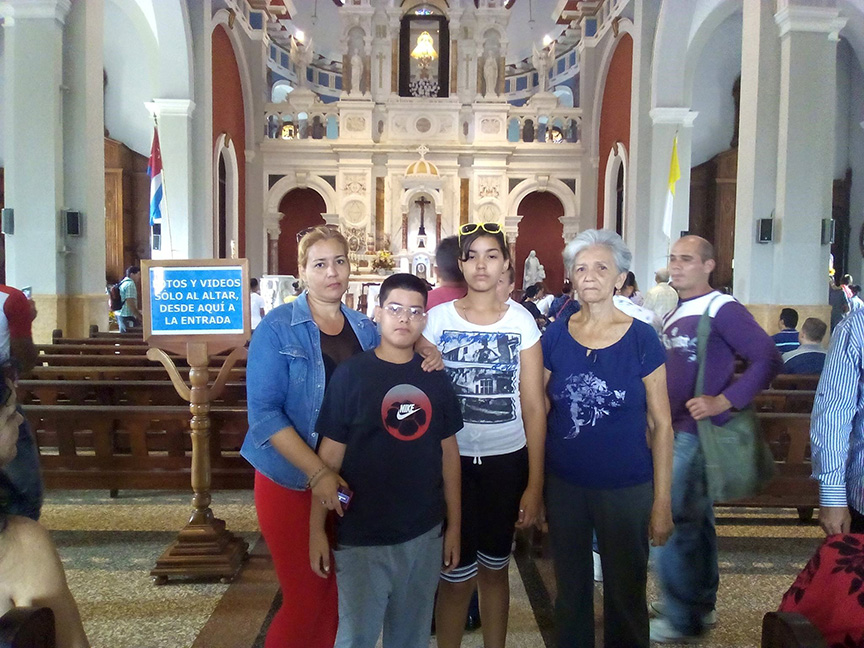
[764, 230]
[827, 231]
[7, 220]
[73, 223]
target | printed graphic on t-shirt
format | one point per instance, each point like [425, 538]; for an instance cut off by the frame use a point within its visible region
[590, 400]
[483, 369]
[406, 412]
[681, 343]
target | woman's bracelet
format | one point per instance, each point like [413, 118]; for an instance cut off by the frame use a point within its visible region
[314, 478]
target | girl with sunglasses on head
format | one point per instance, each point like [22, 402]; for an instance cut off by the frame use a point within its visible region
[491, 353]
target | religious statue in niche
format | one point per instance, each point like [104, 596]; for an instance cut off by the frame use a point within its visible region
[490, 75]
[542, 60]
[534, 270]
[356, 74]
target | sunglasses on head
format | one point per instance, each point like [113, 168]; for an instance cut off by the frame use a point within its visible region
[490, 228]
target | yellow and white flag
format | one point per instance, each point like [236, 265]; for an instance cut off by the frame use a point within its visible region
[674, 175]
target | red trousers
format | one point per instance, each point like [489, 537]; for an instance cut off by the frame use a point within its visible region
[309, 613]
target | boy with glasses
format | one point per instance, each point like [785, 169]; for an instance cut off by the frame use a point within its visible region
[388, 428]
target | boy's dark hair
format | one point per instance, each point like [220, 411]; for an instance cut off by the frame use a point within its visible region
[466, 240]
[253, 283]
[132, 270]
[789, 317]
[403, 281]
[856, 289]
[814, 328]
[447, 259]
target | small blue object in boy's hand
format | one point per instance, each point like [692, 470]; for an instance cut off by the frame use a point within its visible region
[344, 495]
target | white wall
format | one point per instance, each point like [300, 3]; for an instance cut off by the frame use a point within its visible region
[718, 67]
[131, 65]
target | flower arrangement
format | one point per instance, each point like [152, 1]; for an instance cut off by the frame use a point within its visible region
[383, 260]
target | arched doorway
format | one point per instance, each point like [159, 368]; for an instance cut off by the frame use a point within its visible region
[541, 231]
[300, 208]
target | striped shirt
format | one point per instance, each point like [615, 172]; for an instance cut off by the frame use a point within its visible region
[837, 423]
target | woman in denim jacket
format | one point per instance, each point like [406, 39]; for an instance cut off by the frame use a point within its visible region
[292, 354]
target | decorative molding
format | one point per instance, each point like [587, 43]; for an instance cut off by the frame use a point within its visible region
[815, 20]
[673, 116]
[170, 107]
[35, 10]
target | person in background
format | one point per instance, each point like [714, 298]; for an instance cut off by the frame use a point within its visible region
[630, 290]
[544, 299]
[256, 302]
[846, 286]
[837, 301]
[787, 338]
[21, 476]
[296, 291]
[129, 316]
[856, 303]
[529, 302]
[662, 298]
[451, 283]
[606, 384]
[687, 567]
[31, 574]
[809, 358]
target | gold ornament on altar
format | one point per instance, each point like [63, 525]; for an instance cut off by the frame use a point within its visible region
[424, 52]
[383, 261]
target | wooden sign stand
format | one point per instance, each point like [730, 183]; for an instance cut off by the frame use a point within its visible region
[204, 547]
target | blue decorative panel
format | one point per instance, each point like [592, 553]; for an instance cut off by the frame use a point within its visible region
[535, 79]
[513, 130]
[256, 19]
[332, 127]
[309, 74]
[338, 80]
[521, 82]
[324, 79]
[572, 58]
[508, 86]
[273, 53]
[590, 26]
[284, 60]
[562, 63]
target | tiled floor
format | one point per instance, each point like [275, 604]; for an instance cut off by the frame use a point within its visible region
[109, 545]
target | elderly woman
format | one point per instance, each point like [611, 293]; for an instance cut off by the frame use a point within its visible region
[606, 383]
[31, 574]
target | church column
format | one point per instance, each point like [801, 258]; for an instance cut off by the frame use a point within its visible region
[805, 154]
[756, 186]
[33, 151]
[404, 231]
[667, 122]
[589, 130]
[175, 135]
[511, 230]
[271, 224]
[84, 183]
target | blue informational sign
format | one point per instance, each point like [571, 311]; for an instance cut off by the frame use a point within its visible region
[189, 300]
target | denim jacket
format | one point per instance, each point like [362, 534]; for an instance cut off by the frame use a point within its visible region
[285, 384]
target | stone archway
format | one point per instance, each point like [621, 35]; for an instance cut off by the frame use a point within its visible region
[541, 230]
[300, 208]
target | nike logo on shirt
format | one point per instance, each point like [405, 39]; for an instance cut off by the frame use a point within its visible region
[406, 410]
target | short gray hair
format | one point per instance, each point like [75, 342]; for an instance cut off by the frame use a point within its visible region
[588, 238]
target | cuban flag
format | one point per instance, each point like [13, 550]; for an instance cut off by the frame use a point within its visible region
[158, 208]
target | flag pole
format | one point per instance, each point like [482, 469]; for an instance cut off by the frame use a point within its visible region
[165, 216]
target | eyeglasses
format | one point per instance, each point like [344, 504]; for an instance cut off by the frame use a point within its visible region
[410, 312]
[303, 232]
[490, 228]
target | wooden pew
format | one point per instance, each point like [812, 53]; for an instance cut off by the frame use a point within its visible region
[116, 360]
[157, 372]
[131, 447]
[795, 381]
[114, 392]
[69, 348]
[799, 401]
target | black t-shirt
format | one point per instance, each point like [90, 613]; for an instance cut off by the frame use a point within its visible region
[335, 349]
[392, 418]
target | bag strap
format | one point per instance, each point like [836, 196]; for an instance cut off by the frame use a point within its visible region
[561, 310]
[703, 331]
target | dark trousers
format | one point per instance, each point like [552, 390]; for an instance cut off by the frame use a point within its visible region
[857, 525]
[620, 518]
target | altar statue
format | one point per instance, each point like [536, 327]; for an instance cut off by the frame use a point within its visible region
[534, 270]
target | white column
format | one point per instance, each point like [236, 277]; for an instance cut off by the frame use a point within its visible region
[201, 216]
[33, 140]
[667, 122]
[590, 161]
[84, 148]
[175, 135]
[638, 193]
[756, 187]
[805, 153]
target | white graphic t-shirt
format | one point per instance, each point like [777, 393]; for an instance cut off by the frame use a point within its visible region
[483, 365]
